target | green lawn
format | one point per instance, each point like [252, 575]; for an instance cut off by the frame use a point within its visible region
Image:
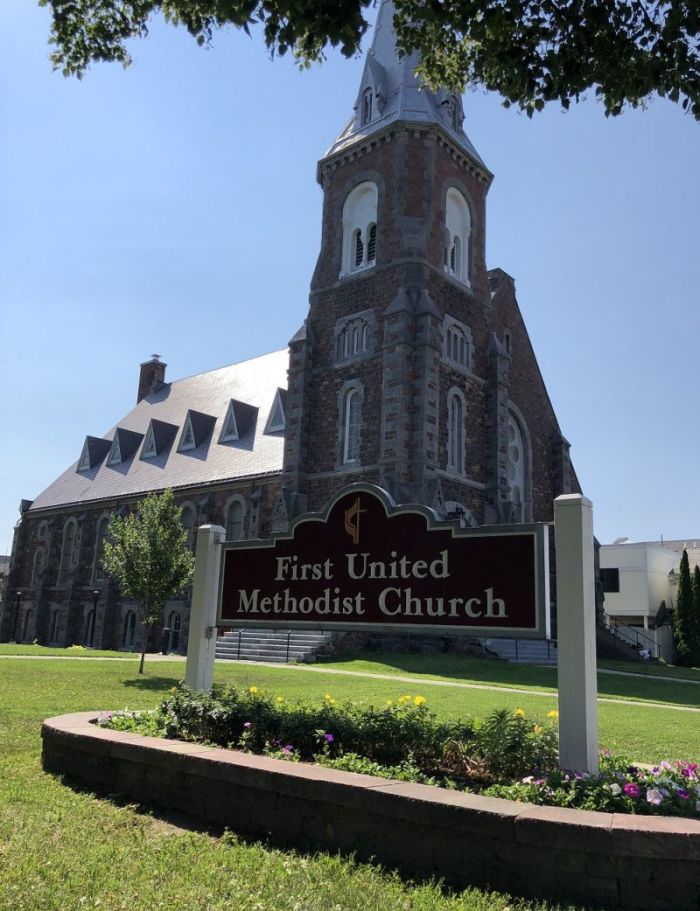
[62, 850]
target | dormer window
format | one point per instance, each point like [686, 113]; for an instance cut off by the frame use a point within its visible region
[94, 450]
[230, 428]
[187, 438]
[149, 450]
[238, 421]
[456, 256]
[359, 229]
[124, 445]
[115, 454]
[84, 463]
[196, 430]
[276, 421]
[366, 105]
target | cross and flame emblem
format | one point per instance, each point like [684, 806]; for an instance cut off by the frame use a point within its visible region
[352, 521]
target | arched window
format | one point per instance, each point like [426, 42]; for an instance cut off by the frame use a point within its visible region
[54, 626]
[187, 517]
[455, 431]
[457, 236]
[517, 469]
[359, 249]
[89, 631]
[353, 338]
[68, 549]
[38, 565]
[98, 569]
[367, 105]
[457, 343]
[27, 625]
[174, 625]
[129, 631]
[235, 514]
[351, 426]
[372, 244]
[359, 229]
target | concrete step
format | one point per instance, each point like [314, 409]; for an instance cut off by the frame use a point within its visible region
[524, 651]
[269, 645]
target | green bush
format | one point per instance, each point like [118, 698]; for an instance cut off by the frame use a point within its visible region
[400, 730]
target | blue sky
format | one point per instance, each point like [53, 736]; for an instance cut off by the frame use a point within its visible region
[173, 208]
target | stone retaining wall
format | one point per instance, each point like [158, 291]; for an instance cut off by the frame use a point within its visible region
[610, 860]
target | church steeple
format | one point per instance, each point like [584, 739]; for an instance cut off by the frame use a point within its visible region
[390, 92]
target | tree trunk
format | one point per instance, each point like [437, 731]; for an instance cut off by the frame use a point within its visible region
[143, 656]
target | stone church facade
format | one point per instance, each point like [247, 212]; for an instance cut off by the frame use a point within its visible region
[413, 370]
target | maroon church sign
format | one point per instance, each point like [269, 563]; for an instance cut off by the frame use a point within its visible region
[366, 564]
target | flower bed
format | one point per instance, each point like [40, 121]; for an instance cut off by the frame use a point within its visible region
[505, 755]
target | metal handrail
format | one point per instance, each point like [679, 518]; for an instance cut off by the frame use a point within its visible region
[633, 637]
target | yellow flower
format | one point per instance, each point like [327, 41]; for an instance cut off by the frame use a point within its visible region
[538, 729]
[419, 700]
[554, 714]
[519, 713]
[253, 690]
[328, 697]
[280, 699]
[403, 699]
[389, 702]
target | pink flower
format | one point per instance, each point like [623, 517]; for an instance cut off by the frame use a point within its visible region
[631, 789]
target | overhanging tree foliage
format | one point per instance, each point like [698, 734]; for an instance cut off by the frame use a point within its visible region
[529, 51]
[146, 554]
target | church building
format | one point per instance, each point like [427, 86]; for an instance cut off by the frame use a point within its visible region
[413, 370]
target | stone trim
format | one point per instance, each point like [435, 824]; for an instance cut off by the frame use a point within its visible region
[621, 862]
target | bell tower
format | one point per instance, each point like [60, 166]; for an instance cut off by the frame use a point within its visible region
[392, 376]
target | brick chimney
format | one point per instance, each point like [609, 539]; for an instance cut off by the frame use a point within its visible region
[151, 377]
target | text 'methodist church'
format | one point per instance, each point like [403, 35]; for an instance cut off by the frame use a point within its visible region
[413, 370]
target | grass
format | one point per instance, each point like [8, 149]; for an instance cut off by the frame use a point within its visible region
[12, 648]
[63, 849]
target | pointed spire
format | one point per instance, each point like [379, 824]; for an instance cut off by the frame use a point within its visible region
[389, 91]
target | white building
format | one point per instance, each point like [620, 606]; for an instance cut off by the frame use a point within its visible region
[637, 578]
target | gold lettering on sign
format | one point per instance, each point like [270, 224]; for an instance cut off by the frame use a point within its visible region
[353, 527]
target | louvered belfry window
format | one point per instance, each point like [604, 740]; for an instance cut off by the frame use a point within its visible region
[359, 248]
[372, 244]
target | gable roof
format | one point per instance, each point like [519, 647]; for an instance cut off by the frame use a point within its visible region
[254, 382]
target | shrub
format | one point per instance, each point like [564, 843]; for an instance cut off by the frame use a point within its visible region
[400, 730]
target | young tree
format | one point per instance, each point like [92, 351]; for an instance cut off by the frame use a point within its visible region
[695, 620]
[146, 554]
[530, 51]
[683, 618]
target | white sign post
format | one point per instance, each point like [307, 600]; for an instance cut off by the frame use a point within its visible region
[576, 634]
[201, 644]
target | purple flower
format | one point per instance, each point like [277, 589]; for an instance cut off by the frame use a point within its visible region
[247, 724]
[632, 770]
[288, 749]
[654, 796]
[329, 738]
[682, 793]
[631, 789]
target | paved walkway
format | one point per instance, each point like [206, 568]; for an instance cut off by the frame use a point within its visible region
[423, 681]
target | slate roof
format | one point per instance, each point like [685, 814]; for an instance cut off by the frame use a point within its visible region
[402, 97]
[254, 382]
